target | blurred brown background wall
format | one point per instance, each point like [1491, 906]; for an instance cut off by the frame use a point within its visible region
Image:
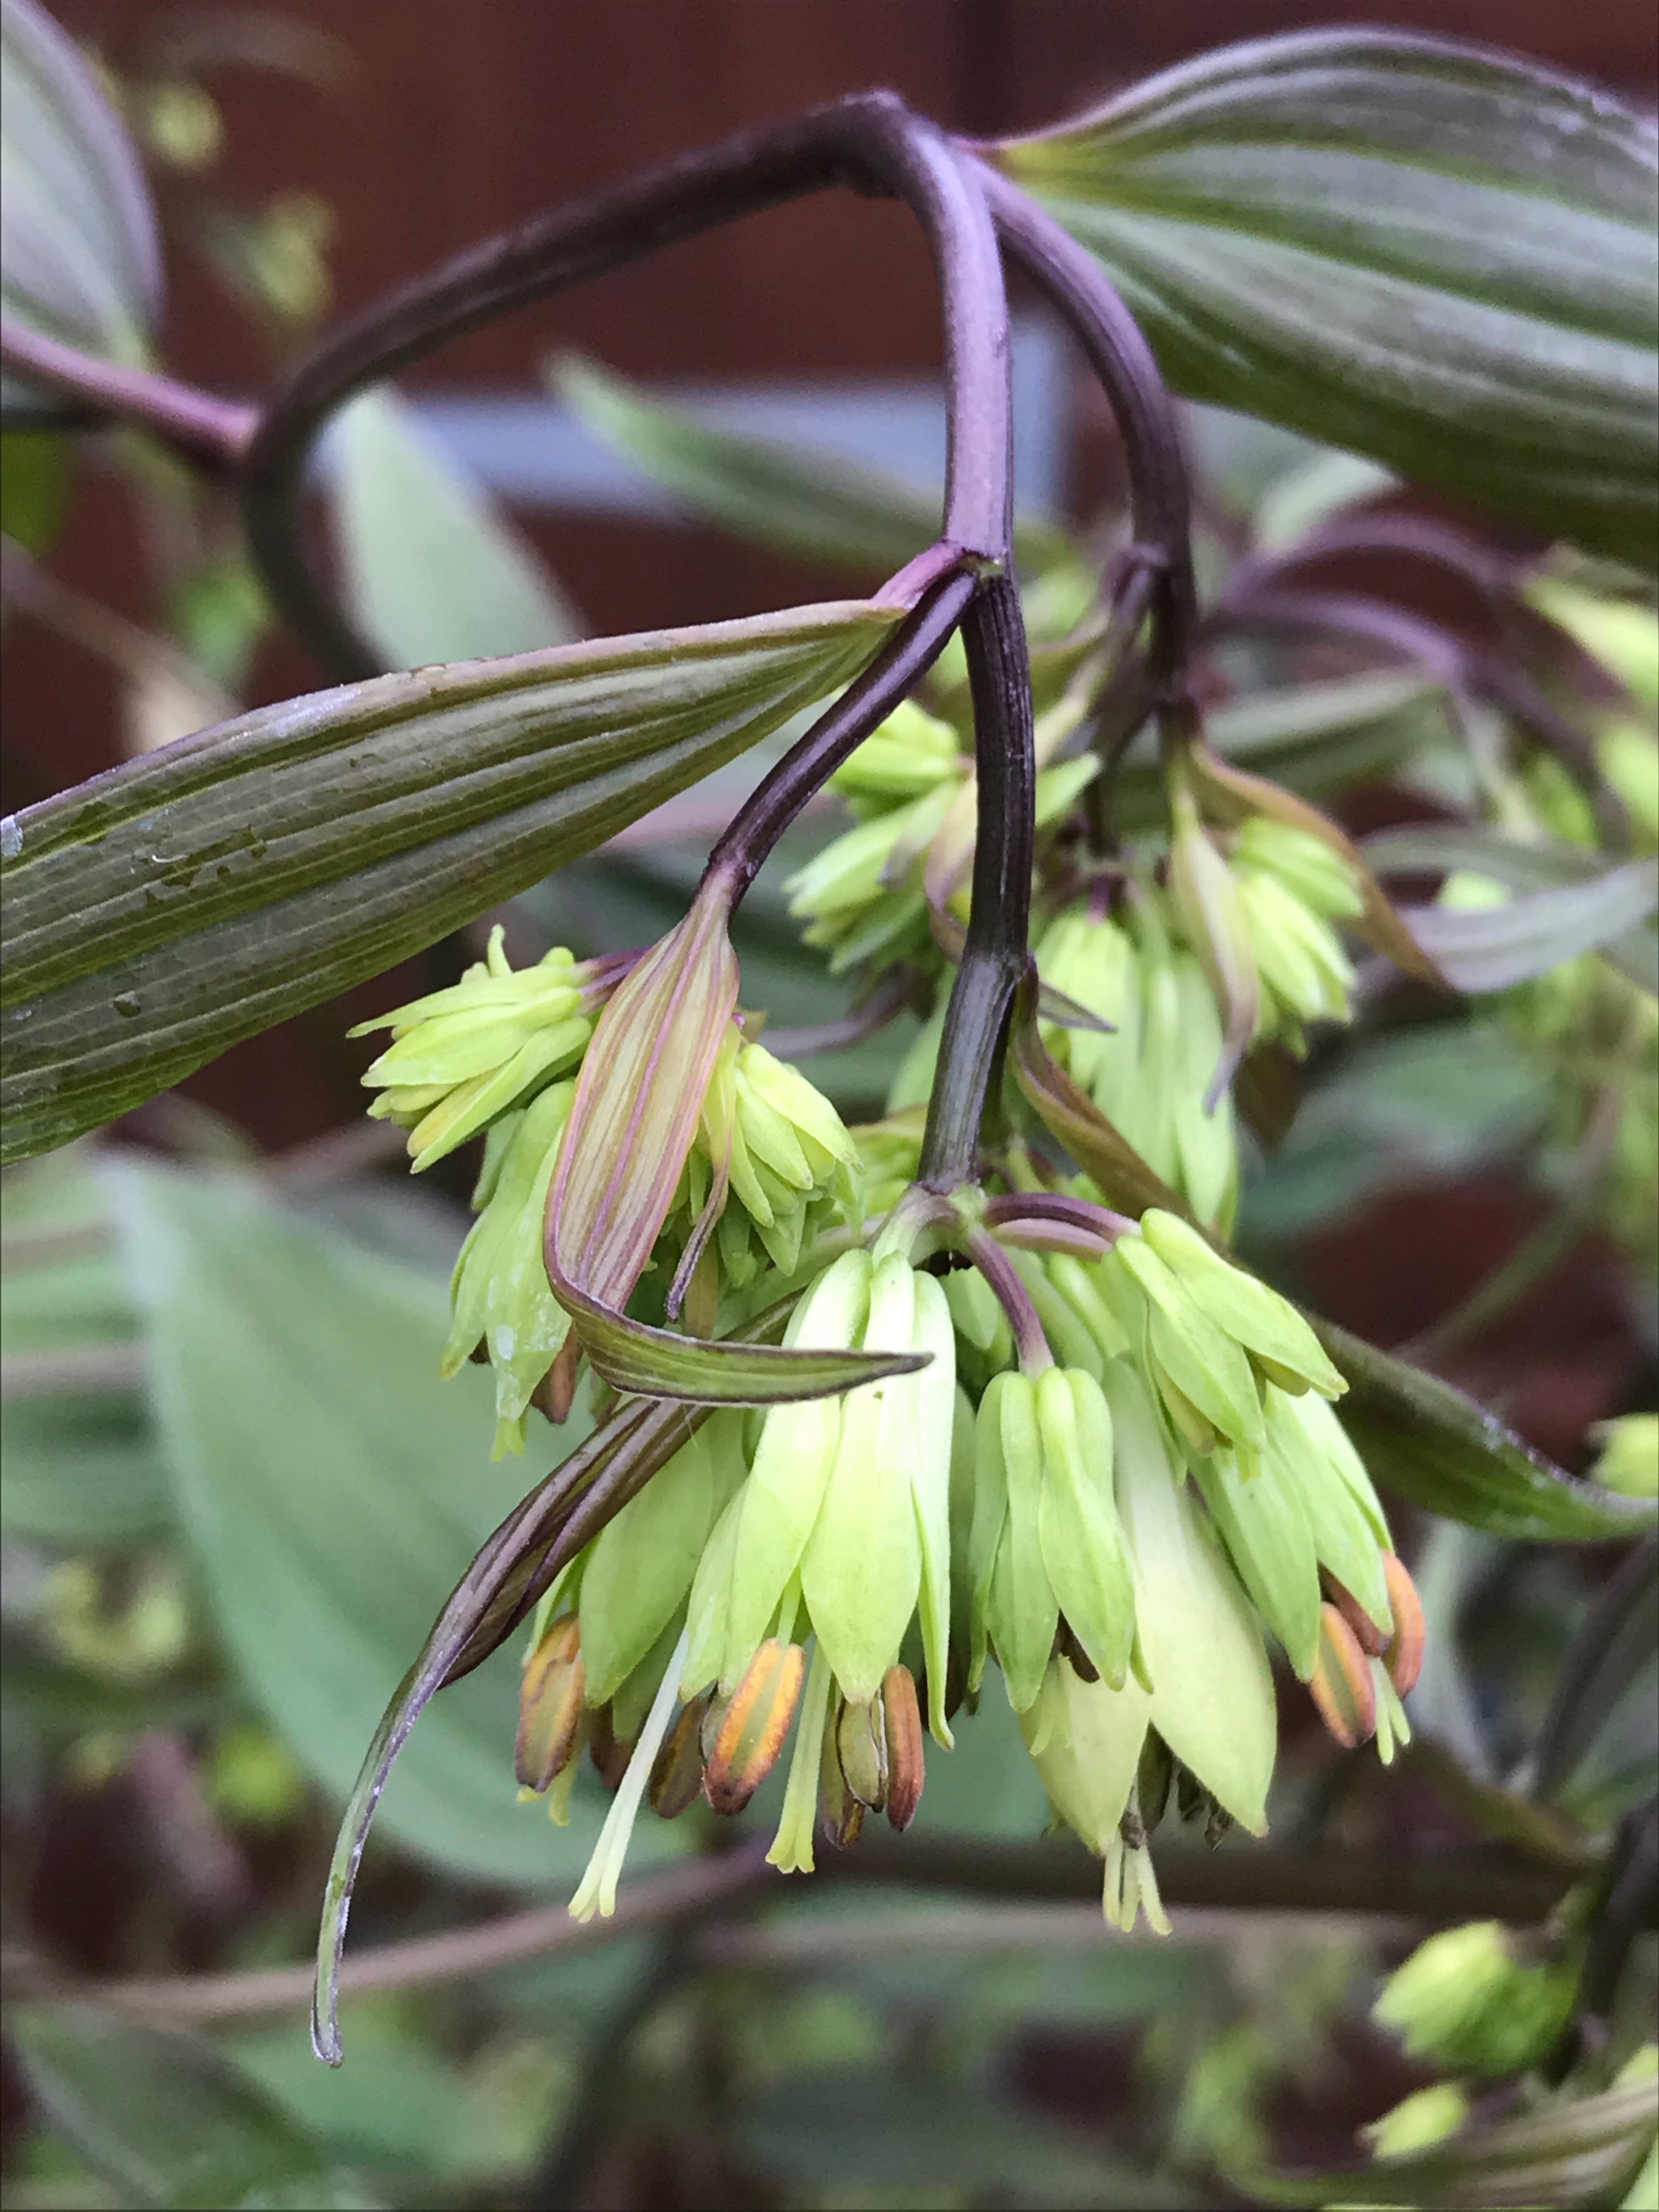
[451, 118]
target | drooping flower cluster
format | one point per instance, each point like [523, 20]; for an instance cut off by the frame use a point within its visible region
[1083, 1452]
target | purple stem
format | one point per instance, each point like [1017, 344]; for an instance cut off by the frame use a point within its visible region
[1444, 653]
[870, 140]
[1160, 502]
[1016, 1207]
[1011, 1295]
[213, 433]
[775, 801]
[995, 952]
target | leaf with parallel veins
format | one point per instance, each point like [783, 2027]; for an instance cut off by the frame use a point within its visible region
[161, 912]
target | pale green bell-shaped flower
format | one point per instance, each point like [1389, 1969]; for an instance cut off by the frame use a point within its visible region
[844, 1513]
[1198, 1640]
[463, 1056]
[499, 1294]
[1046, 1547]
[1093, 960]
[755, 1552]
[861, 1569]
[1086, 1742]
[1280, 1344]
[1210, 910]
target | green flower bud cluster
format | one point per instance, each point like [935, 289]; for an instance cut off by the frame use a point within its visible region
[862, 896]
[865, 896]
[1291, 887]
[682, 1632]
[783, 1154]
[1149, 1075]
[912, 753]
[462, 1057]
[1467, 2000]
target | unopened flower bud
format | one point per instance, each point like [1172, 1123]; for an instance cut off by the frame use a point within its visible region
[551, 1696]
[499, 1292]
[1629, 1455]
[1404, 1654]
[1202, 1374]
[1464, 2000]
[1279, 1340]
[1373, 1640]
[607, 1750]
[676, 1771]
[841, 1814]
[1314, 870]
[862, 1747]
[1341, 1683]
[635, 1111]
[906, 1757]
[1427, 2116]
[903, 757]
[752, 1726]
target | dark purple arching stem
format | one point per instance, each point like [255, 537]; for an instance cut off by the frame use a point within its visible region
[210, 433]
[1033, 1208]
[780, 796]
[995, 953]
[1074, 283]
[1011, 1295]
[871, 141]
[1458, 664]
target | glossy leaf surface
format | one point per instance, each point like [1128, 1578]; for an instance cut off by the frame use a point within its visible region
[159, 912]
[1432, 255]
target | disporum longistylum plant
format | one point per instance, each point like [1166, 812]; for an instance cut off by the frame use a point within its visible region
[972, 1400]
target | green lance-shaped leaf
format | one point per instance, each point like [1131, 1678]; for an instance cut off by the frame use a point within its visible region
[1432, 1445]
[1433, 255]
[1490, 948]
[79, 255]
[160, 913]
[432, 569]
[813, 504]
